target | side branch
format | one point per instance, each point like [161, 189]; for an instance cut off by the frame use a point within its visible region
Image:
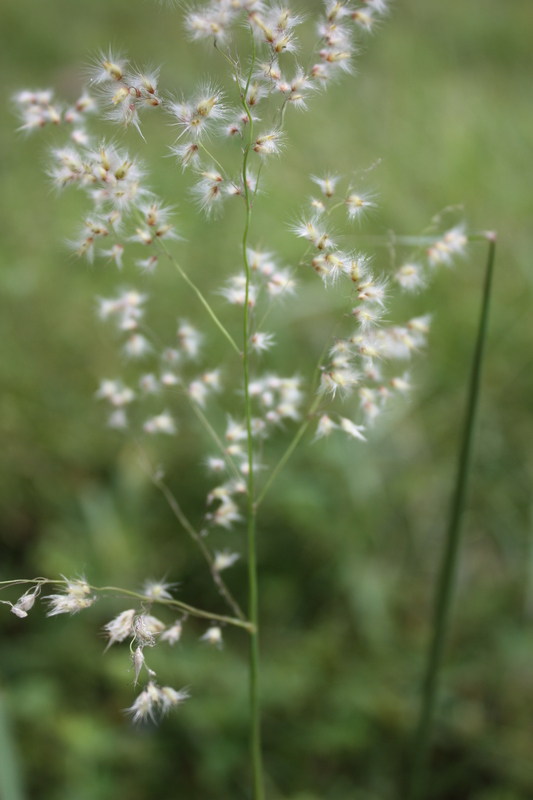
[201, 298]
[289, 451]
[175, 507]
[190, 610]
[219, 581]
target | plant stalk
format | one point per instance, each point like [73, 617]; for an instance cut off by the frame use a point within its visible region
[253, 610]
[191, 611]
[448, 568]
[200, 297]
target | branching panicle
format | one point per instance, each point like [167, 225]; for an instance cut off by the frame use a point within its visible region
[357, 374]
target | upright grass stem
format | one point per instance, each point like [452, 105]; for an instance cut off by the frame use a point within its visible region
[253, 610]
[448, 568]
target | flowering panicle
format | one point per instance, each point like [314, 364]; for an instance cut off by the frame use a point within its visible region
[355, 360]
[166, 380]
[37, 109]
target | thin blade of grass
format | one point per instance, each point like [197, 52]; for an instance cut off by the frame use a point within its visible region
[448, 567]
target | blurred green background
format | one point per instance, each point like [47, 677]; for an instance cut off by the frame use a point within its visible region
[350, 538]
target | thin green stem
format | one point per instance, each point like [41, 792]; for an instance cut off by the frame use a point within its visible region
[257, 183]
[193, 533]
[175, 507]
[201, 298]
[215, 437]
[212, 157]
[303, 427]
[289, 451]
[190, 610]
[234, 66]
[253, 611]
[449, 562]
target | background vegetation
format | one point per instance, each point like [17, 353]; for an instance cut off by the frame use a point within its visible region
[350, 539]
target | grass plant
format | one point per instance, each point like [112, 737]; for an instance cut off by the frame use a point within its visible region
[308, 325]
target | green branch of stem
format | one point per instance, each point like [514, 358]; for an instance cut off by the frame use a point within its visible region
[201, 298]
[175, 507]
[212, 157]
[289, 451]
[253, 611]
[448, 567]
[193, 533]
[215, 437]
[303, 427]
[190, 610]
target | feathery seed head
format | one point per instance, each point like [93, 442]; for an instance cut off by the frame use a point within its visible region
[120, 627]
[224, 560]
[157, 590]
[162, 423]
[410, 277]
[170, 698]
[107, 66]
[172, 634]
[327, 183]
[358, 204]
[26, 602]
[190, 340]
[269, 144]
[325, 427]
[213, 636]
[75, 598]
[355, 431]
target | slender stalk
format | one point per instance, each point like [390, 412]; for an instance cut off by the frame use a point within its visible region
[253, 610]
[190, 610]
[213, 159]
[289, 451]
[303, 427]
[176, 509]
[193, 533]
[449, 562]
[201, 298]
[214, 436]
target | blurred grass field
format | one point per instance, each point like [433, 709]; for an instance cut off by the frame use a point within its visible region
[350, 537]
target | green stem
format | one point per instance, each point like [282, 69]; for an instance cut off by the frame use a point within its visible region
[253, 611]
[303, 427]
[212, 157]
[450, 557]
[289, 451]
[193, 533]
[215, 437]
[190, 610]
[201, 298]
